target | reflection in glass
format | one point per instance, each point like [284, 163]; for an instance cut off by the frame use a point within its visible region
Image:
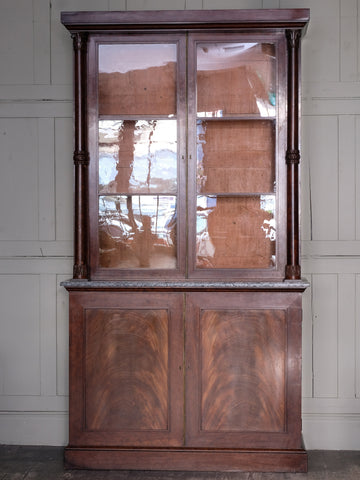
[235, 232]
[236, 78]
[137, 79]
[138, 156]
[137, 231]
[235, 156]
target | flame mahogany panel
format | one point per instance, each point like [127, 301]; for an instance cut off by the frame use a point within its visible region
[126, 369]
[243, 370]
[126, 377]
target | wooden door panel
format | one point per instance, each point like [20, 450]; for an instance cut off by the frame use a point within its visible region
[126, 369]
[242, 355]
[126, 376]
[242, 370]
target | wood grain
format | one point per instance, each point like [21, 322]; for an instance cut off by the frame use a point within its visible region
[243, 370]
[126, 358]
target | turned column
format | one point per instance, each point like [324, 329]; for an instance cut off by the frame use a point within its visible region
[81, 157]
[293, 270]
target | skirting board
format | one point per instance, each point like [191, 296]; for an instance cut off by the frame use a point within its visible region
[34, 428]
[320, 431]
[331, 431]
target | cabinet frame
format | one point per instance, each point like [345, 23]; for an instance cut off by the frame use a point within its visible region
[251, 298]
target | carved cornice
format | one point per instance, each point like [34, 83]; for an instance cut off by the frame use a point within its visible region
[293, 38]
[292, 157]
[81, 157]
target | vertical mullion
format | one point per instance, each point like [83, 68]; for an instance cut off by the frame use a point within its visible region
[182, 153]
[191, 152]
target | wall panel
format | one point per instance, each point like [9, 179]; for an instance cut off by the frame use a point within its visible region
[215, 4]
[18, 53]
[36, 210]
[349, 41]
[357, 339]
[64, 178]
[322, 143]
[41, 32]
[48, 334]
[357, 176]
[19, 188]
[62, 336]
[325, 348]
[347, 334]
[155, 4]
[347, 179]
[20, 335]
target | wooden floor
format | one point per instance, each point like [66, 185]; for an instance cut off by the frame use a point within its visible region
[46, 463]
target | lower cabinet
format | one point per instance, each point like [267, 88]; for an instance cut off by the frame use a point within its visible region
[185, 381]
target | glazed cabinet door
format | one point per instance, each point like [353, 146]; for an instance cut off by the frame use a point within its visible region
[243, 370]
[187, 156]
[136, 116]
[237, 145]
[126, 369]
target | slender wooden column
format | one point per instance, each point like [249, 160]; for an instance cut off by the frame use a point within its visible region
[293, 270]
[81, 158]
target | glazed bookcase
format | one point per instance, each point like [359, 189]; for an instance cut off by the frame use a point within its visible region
[185, 302]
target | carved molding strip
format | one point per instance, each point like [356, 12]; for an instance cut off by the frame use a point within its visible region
[292, 157]
[79, 41]
[292, 271]
[81, 157]
[80, 271]
[293, 38]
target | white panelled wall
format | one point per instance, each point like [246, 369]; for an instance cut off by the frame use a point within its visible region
[36, 214]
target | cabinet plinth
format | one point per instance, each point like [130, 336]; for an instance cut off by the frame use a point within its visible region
[185, 306]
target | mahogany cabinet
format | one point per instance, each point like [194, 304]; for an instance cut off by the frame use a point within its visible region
[185, 303]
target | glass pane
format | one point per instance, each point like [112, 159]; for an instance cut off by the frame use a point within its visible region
[138, 156]
[235, 156]
[137, 231]
[235, 232]
[236, 78]
[137, 79]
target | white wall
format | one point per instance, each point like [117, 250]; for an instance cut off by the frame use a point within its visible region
[36, 214]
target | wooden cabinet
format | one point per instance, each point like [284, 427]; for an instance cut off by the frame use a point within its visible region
[185, 306]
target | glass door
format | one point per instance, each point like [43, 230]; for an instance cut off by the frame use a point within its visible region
[234, 118]
[184, 166]
[140, 111]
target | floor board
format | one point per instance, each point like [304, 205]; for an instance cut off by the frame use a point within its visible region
[46, 463]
